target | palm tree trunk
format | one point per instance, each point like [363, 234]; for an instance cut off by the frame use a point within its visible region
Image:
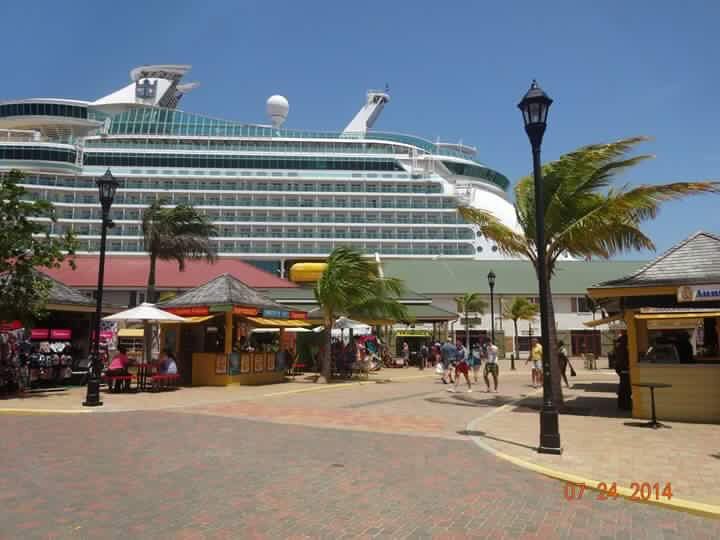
[467, 330]
[326, 357]
[150, 293]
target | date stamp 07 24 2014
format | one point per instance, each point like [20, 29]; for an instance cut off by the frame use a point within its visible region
[641, 491]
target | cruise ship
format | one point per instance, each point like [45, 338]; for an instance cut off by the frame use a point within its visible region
[277, 195]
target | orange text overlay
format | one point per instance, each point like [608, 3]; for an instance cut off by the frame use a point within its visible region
[641, 491]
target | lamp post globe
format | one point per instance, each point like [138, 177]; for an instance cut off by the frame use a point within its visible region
[535, 106]
[491, 283]
[107, 187]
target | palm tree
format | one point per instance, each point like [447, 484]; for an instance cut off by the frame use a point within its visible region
[175, 234]
[585, 216]
[352, 285]
[521, 309]
[470, 302]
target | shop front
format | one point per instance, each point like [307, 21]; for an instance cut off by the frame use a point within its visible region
[671, 311]
[217, 347]
[52, 347]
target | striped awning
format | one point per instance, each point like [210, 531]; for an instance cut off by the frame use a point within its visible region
[278, 323]
[130, 332]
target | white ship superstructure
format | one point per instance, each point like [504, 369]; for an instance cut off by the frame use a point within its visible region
[276, 194]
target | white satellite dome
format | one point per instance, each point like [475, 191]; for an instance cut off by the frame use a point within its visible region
[277, 109]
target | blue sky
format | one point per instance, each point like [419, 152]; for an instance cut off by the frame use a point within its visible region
[456, 71]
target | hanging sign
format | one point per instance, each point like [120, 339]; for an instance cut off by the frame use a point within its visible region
[63, 333]
[40, 333]
[220, 308]
[413, 333]
[189, 311]
[275, 314]
[298, 315]
[8, 326]
[247, 311]
[699, 293]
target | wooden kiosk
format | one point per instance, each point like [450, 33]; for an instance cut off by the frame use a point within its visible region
[213, 347]
[671, 309]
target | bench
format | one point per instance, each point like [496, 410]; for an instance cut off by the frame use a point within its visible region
[164, 381]
[118, 383]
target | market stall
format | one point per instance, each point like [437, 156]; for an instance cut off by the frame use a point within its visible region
[217, 348]
[671, 310]
[53, 347]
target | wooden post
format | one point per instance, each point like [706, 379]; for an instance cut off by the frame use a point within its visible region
[632, 341]
[228, 332]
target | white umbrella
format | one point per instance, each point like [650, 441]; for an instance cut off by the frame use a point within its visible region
[145, 312]
[344, 322]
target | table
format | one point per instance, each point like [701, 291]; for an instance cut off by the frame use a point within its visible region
[652, 386]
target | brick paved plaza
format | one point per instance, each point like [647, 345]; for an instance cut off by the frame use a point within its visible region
[374, 460]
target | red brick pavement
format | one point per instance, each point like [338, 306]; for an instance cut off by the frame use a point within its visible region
[168, 475]
[336, 418]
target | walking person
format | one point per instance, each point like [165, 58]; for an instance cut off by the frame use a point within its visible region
[563, 361]
[424, 353]
[475, 361]
[461, 368]
[535, 357]
[448, 352]
[491, 366]
[405, 354]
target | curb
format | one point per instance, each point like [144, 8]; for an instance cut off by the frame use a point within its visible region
[10, 410]
[682, 505]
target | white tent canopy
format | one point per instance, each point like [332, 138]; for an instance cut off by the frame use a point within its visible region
[344, 323]
[148, 314]
[144, 312]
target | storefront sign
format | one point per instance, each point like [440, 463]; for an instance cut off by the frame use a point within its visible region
[413, 333]
[63, 333]
[699, 293]
[9, 326]
[190, 311]
[259, 362]
[298, 315]
[275, 314]
[221, 308]
[247, 311]
[40, 333]
[221, 364]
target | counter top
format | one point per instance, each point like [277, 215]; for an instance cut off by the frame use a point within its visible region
[715, 363]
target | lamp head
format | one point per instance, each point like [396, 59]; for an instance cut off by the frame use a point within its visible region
[491, 279]
[107, 186]
[534, 106]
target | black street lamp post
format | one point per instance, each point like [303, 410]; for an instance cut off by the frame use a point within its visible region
[107, 186]
[491, 282]
[534, 106]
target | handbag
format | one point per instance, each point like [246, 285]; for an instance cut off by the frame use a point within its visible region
[572, 370]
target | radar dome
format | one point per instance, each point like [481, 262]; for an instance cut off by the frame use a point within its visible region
[277, 109]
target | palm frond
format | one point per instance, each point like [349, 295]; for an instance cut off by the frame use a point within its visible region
[508, 241]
